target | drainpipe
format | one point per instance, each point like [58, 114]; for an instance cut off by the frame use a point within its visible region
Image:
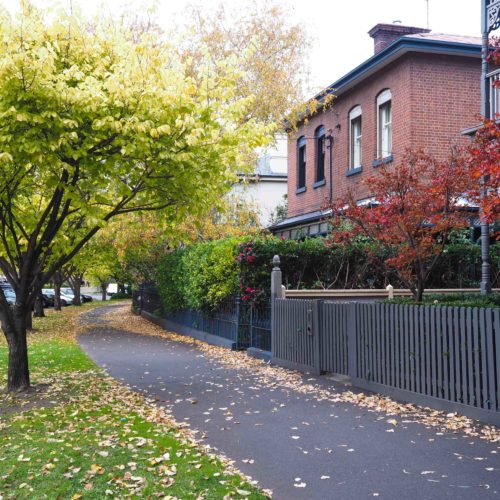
[330, 146]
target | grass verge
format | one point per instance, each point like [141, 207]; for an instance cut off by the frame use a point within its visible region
[80, 434]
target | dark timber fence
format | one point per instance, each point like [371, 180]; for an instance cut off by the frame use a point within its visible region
[239, 322]
[444, 357]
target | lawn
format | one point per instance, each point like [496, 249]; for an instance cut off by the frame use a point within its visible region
[80, 434]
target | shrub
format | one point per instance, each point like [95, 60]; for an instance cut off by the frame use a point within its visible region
[120, 296]
[310, 263]
[453, 299]
[170, 274]
[200, 276]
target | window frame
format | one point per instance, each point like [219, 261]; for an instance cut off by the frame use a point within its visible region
[320, 153]
[384, 99]
[355, 115]
[301, 163]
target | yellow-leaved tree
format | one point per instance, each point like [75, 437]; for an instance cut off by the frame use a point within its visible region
[97, 120]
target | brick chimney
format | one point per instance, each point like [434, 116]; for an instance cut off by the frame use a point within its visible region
[384, 34]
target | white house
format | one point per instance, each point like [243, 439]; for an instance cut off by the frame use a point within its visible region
[267, 186]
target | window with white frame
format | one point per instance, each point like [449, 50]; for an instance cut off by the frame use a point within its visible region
[384, 124]
[355, 138]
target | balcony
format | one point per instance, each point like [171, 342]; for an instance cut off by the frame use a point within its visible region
[494, 85]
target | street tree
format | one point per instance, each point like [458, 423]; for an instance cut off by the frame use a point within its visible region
[99, 120]
[271, 52]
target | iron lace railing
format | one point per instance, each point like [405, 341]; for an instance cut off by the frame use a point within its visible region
[494, 85]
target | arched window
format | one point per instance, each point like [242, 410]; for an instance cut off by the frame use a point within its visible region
[319, 139]
[384, 124]
[301, 163]
[355, 138]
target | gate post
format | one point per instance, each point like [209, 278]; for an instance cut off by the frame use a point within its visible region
[276, 279]
[352, 343]
[276, 293]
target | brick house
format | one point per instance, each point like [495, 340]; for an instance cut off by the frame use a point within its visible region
[419, 90]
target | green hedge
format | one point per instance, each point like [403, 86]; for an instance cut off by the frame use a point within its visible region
[455, 299]
[201, 276]
[308, 264]
[120, 296]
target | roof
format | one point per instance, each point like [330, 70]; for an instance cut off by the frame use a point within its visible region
[443, 37]
[301, 219]
[436, 43]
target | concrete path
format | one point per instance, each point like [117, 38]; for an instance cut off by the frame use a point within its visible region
[292, 444]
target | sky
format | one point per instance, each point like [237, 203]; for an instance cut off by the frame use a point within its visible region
[338, 27]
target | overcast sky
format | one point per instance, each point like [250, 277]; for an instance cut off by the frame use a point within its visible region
[338, 27]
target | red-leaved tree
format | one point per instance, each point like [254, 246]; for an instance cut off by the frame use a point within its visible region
[414, 207]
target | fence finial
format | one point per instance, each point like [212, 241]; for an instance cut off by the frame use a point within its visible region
[390, 291]
[276, 262]
[276, 280]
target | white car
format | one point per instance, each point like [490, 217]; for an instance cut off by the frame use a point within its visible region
[66, 300]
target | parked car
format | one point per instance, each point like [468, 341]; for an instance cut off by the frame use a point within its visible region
[50, 293]
[48, 301]
[10, 296]
[83, 297]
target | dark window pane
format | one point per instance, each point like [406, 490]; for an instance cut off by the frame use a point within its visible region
[301, 181]
[320, 158]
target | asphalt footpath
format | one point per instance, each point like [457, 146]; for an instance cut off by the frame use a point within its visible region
[291, 443]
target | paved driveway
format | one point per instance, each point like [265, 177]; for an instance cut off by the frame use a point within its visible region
[291, 443]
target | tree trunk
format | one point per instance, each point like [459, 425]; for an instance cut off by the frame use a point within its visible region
[39, 311]
[29, 320]
[18, 376]
[419, 292]
[57, 295]
[77, 285]
[104, 287]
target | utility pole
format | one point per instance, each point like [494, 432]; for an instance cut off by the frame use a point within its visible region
[490, 20]
[427, 2]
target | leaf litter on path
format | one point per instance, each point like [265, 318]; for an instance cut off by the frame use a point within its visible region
[277, 377]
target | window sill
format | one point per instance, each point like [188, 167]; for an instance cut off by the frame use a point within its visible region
[354, 171]
[382, 161]
[301, 190]
[320, 183]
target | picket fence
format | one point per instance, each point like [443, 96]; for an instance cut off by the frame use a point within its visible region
[444, 357]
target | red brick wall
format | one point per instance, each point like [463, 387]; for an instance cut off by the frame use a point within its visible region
[445, 99]
[433, 99]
